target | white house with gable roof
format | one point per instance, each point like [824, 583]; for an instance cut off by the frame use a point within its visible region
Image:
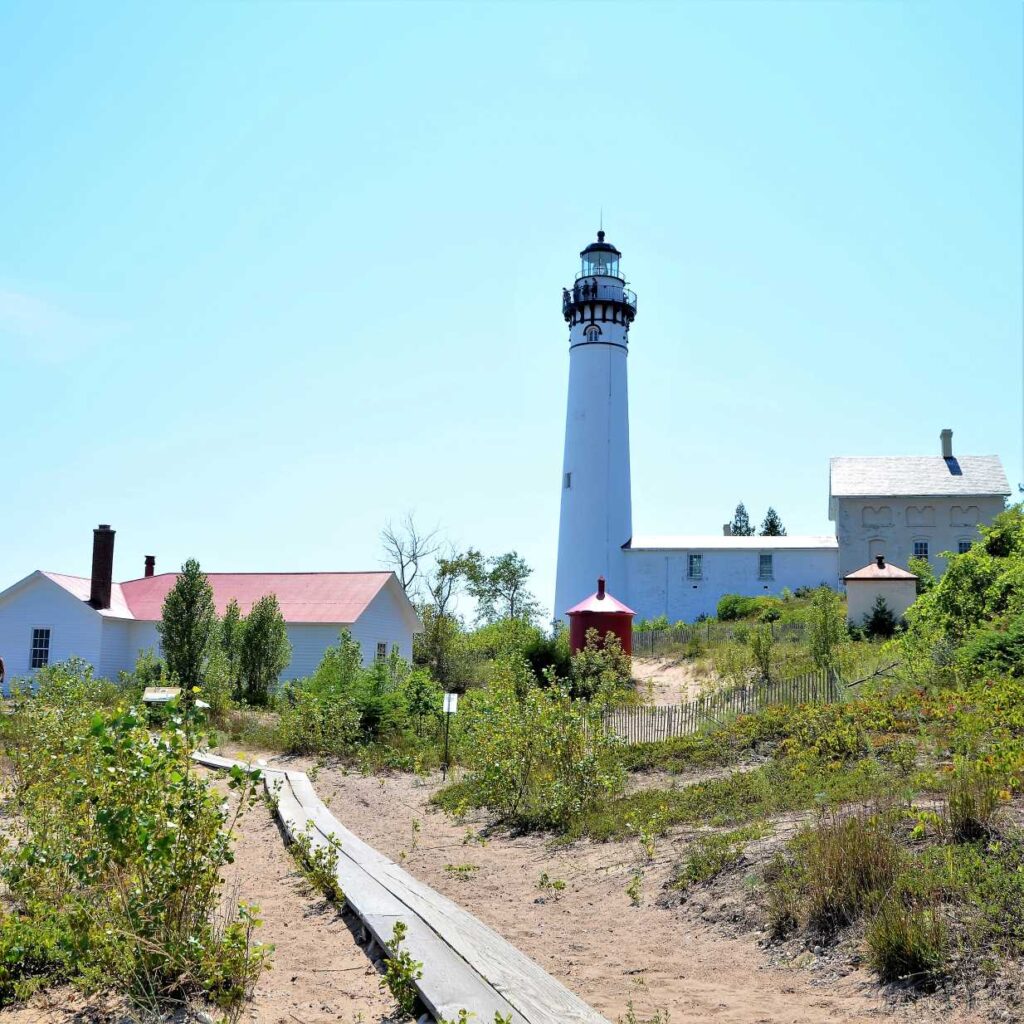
[48, 617]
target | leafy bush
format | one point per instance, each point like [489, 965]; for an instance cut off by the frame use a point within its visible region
[114, 874]
[536, 757]
[708, 856]
[602, 671]
[734, 606]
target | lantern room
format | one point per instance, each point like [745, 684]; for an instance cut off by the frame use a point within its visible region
[600, 259]
[604, 613]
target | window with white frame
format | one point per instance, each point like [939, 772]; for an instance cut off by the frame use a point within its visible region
[963, 546]
[765, 568]
[921, 549]
[382, 651]
[39, 656]
[694, 566]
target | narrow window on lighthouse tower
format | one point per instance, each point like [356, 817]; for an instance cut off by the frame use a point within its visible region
[568, 480]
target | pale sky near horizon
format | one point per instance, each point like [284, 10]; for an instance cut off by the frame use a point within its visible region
[273, 273]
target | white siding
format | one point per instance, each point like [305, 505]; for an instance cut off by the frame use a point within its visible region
[384, 621]
[309, 640]
[866, 527]
[116, 651]
[659, 585]
[860, 596]
[74, 626]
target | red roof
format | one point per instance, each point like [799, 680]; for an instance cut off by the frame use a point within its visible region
[607, 605]
[327, 597]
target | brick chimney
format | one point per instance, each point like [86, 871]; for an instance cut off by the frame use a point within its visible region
[102, 566]
[947, 443]
[600, 588]
[150, 565]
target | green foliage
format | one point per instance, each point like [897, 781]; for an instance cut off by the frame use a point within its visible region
[602, 671]
[401, 972]
[231, 631]
[907, 943]
[924, 572]
[536, 757]
[733, 606]
[499, 586]
[740, 525]
[187, 626]
[762, 645]
[880, 621]
[772, 525]
[826, 628]
[264, 651]
[319, 859]
[708, 856]
[114, 873]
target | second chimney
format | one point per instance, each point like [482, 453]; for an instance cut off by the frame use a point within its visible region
[150, 565]
[102, 566]
[600, 588]
[947, 443]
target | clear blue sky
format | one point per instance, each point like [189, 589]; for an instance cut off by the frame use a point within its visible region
[273, 273]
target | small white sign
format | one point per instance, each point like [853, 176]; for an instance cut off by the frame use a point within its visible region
[451, 703]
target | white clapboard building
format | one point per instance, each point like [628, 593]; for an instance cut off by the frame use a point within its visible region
[896, 507]
[49, 616]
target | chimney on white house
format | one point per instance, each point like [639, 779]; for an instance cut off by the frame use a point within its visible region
[947, 443]
[102, 582]
[726, 529]
[150, 565]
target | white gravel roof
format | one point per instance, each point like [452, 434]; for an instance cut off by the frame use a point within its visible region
[916, 475]
[713, 542]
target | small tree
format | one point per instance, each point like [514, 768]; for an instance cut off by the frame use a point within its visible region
[231, 629]
[827, 627]
[741, 522]
[187, 626]
[772, 525]
[762, 645]
[602, 669]
[265, 650]
[880, 621]
[499, 586]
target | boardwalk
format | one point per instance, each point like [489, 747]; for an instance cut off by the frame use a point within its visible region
[466, 965]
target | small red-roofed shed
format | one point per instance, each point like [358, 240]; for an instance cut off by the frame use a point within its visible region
[604, 613]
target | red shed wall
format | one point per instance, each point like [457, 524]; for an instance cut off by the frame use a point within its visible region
[620, 625]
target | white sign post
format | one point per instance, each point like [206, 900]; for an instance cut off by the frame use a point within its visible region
[451, 705]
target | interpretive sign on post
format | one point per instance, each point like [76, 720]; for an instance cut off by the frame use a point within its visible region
[451, 704]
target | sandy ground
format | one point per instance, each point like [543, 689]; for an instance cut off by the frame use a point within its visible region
[667, 681]
[319, 973]
[589, 935]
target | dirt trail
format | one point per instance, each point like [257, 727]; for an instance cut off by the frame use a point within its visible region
[588, 935]
[668, 681]
[319, 973]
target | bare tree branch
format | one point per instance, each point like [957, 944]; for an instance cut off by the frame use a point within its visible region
[406, 547]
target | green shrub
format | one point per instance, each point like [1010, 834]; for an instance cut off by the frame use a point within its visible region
[840, 868]
[708, 856]
[114, 873]
[735, 606]
[972, 803]
[880, 621]
[907, 943]
[536, 757]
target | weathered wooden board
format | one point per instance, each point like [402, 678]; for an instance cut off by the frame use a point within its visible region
[466, 965]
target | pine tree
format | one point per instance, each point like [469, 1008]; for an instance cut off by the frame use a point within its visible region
[186, 627]
[265, 650]
[741, 522]
[772, 525]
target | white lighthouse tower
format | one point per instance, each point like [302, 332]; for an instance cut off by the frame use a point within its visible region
[596, 517]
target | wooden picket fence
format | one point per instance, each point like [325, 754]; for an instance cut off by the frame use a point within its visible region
[649, 724]
[649, 642]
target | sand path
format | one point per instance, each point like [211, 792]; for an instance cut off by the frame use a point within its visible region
[589, 935]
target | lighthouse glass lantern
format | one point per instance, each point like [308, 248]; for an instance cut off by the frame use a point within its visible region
[600, 259]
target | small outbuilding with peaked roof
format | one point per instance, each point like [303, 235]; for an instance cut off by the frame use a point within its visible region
[896, 586]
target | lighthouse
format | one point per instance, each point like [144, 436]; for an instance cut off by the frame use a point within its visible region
[596, 518]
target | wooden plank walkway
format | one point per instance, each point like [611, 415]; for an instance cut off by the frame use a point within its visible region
[466, 964]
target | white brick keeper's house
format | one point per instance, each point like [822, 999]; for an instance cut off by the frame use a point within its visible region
[47, 616]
